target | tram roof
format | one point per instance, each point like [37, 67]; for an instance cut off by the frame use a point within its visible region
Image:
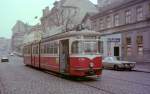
[72, 34]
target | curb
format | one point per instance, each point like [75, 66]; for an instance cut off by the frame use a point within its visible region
[145, 71]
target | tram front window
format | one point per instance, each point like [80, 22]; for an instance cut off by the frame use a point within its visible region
[85, 47]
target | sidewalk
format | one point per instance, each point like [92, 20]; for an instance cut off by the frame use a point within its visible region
[142, 67]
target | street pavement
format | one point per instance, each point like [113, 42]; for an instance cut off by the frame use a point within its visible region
[143, 67]
[16, 78]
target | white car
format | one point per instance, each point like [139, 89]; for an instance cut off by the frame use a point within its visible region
[11, 54]
[113, 63]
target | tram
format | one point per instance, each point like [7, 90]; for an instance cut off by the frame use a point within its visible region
[74, 53]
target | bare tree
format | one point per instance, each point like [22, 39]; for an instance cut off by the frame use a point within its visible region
[69, 19]
[63, 16]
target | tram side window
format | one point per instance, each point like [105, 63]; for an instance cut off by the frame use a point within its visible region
[33, 50]
[48, 48]
[24, 50]
[42, 50]
[55, 48]
[74, 47]
[51, 49]
[28, 51]
[36, 52]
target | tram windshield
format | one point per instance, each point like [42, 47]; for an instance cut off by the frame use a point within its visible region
[85, 47]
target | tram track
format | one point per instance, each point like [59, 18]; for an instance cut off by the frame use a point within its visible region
[85, 82]
[77, 81]
[90, 83]
[97, 88]
[129, 81]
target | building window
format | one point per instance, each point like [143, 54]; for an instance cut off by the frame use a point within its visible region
[149, 6]
[128, 46]
[128, 16]
[139, 13]
[94, 25]
[116, 20]
[139, 41]
[101, 24]
[108, 22]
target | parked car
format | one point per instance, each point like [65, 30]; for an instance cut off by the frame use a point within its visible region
[113, 63]
[4, 59]
[11, 54]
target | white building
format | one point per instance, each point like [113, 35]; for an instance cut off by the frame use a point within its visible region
[18, 32]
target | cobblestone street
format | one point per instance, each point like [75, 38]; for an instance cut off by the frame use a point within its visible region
[15, 78]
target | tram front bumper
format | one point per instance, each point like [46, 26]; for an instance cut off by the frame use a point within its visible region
[86, 71]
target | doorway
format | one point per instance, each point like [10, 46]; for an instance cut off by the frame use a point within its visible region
[116, 51]
[64, 56]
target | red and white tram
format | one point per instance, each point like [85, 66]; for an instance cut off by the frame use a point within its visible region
[71, 53]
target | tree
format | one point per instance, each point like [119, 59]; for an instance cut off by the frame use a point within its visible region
[64, 16]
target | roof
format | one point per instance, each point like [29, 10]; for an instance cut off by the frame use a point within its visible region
[72, 33]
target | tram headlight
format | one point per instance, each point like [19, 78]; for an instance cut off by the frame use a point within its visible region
[91, 65]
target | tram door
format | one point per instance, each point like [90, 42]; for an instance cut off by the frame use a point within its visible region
[64, 56]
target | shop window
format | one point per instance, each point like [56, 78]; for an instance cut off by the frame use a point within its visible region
[140, 45]
[128, 46]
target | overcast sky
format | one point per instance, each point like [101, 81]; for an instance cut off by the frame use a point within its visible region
[25, 10]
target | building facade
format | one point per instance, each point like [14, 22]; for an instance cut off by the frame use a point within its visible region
[34, 34]
[103, 3]
[4, 46]
[66, 15]
[18, 32]
[130, 21]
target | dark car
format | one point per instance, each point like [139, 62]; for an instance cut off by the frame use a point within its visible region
[4, 59]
